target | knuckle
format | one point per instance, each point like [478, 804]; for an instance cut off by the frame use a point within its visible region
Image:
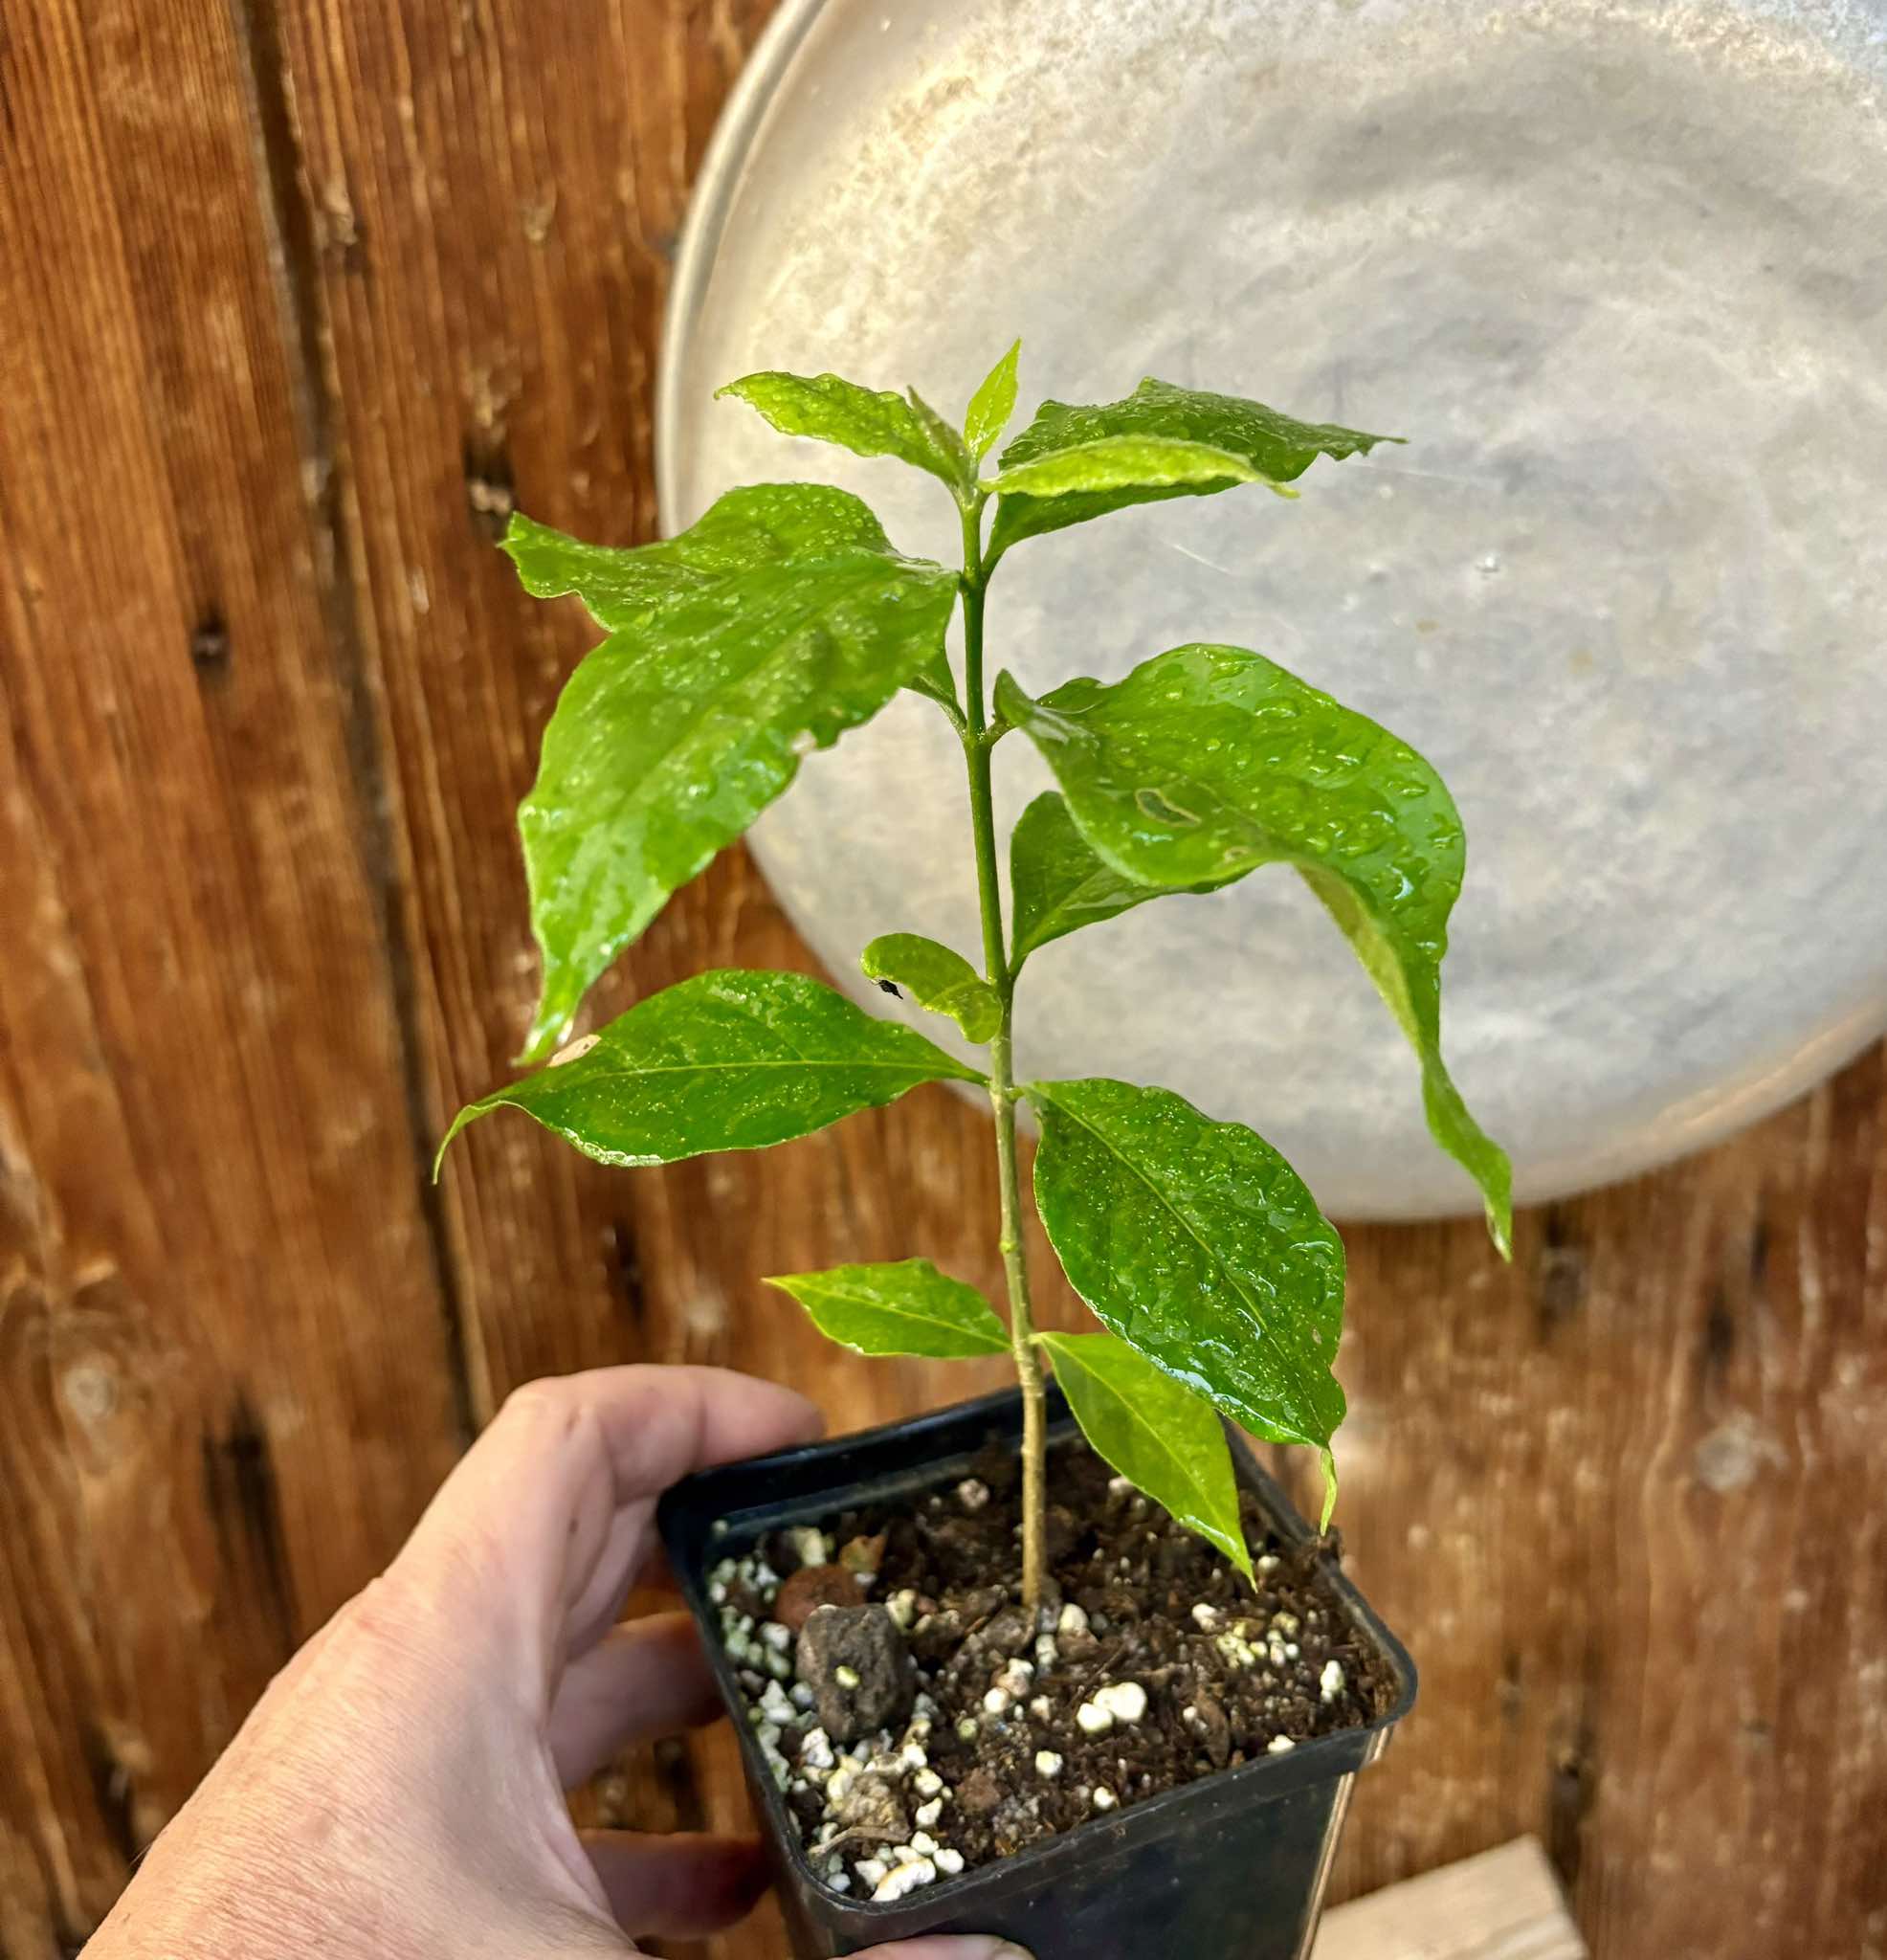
[532, 1403]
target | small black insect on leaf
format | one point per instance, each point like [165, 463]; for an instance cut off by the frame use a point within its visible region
[890, 987]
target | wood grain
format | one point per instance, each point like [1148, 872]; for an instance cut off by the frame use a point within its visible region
[222, 1326]
[1499, 1904]
[308, 290]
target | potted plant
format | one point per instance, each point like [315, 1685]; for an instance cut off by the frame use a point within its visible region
[1061, 1664]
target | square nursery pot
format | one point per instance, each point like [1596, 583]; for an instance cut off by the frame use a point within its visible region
[1233, 1864]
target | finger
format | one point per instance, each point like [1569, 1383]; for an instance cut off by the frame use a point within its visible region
[679, 1887]
[603, 1602]
[535, 1538]
[598, 1604]
[647, 1679]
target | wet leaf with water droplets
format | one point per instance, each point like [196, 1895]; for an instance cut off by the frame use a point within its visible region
[779, 621]
[1058, 885]
[938, 980]
[1167, 1440]
[729, 1061]
[867, 421]
[1075, 463]
[1197, 1244]
[992, 405]
[1208, 761]
[904, 1307]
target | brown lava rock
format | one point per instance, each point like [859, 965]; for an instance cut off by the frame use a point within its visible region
[854, 1660]
[811, 1587]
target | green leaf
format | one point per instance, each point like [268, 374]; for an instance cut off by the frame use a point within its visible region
[944, 441]
[1197, 443]
[1127, 463]
[1058, 884]
[934, 681]
[867, 421]
[936, 978]
[780, 620]
[1162, 1437]
[729, 1061]
[1208, 761]
[1197, 1244]
[992, 405]
[761, 526]
[904, 1307]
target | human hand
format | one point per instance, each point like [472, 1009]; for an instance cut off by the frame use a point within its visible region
[399, 1788]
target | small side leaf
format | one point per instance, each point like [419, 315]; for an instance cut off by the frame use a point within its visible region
[729, 1061]
[943, 442]
[1210, 760]
[1163, 1437]
[1198, 1244]
[1057, 883]
[905, 1306]
[992, 405]
[867, 421]
[780, 620]
[1045, 487]
[935, 682]
[936, 978]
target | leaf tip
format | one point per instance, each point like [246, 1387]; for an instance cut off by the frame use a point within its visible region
[1497, 1196]
[1240, 1554]
[1501, 1230]
[549, 1028]
[471, 1113]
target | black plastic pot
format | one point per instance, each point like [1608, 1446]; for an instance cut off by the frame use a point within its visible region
[1233, 1865]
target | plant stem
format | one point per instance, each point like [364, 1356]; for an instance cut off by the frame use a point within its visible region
[977, 748]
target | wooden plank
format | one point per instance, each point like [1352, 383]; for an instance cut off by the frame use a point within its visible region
[1502, 1904]
[222, 1354]
[1601, 1495]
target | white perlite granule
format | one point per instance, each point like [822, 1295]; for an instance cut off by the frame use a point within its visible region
[1125, 1701]
[907, 1878]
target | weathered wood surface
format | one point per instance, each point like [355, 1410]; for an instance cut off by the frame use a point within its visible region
[298, 293]
[1499, 1904]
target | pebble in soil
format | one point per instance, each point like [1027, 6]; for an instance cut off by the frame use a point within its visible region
[920, 1723]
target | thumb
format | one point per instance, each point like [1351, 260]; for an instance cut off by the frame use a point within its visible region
[948, 1946]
